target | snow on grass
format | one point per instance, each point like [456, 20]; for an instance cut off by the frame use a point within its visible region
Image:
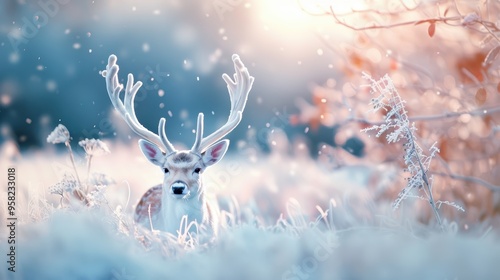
[288, 218]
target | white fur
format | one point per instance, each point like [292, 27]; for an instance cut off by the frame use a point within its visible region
[192, 203]
[174, 209]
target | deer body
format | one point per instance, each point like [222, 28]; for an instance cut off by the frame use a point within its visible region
[181, 195]
[166, 213]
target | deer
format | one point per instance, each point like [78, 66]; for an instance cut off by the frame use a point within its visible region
[181, 195]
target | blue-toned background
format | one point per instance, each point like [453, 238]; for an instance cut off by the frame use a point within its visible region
[51, 53]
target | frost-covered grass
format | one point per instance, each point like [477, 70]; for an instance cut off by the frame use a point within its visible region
[288, 217]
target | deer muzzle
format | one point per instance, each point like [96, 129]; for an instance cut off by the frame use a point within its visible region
[179, 188]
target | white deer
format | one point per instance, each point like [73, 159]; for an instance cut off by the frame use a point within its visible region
[181, 195]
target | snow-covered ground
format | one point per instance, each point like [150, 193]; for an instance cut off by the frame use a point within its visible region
[288, 217]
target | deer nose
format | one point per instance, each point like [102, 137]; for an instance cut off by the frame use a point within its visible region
[178, 187]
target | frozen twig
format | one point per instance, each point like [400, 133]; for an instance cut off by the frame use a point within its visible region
[61, 135]
[92, 147]
[446, 20]
[397, 127]
[470, 179]
[467, 21]
[484, 111]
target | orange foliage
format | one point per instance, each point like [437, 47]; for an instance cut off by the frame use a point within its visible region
[473, 65]
[481, 95]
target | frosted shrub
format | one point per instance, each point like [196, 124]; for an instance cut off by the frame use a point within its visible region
[397, 128]
[68, 184]
[59, 135]
[91, 191]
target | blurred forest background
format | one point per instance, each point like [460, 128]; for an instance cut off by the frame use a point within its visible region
[52, 52]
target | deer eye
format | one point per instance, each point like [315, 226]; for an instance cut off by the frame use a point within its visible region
[197, 170]
[166, 170]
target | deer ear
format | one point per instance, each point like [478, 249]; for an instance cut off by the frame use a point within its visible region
[152, 152]
[215, 153]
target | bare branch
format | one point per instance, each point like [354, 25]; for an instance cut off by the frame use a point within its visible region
[470, 179]
[415, 22]
[484, 111]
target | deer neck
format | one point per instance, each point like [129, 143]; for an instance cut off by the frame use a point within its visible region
[173, 209]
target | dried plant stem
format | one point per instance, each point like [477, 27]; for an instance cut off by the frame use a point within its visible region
[446, 20]
[61, 201]
[471, 179]
[89, 161]
[150, 219]
[72, 157]
[401, 114]
[77, 191]
[397, 127]
[426, 181]
[477, 112]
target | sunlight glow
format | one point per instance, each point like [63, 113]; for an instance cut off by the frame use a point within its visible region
[338, 6]
[288, 22]
[282, 12]
[293, 14]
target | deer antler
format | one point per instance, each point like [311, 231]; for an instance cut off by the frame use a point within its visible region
[238, 94]
[126, 108]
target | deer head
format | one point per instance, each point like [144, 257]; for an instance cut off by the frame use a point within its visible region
[181, 193]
